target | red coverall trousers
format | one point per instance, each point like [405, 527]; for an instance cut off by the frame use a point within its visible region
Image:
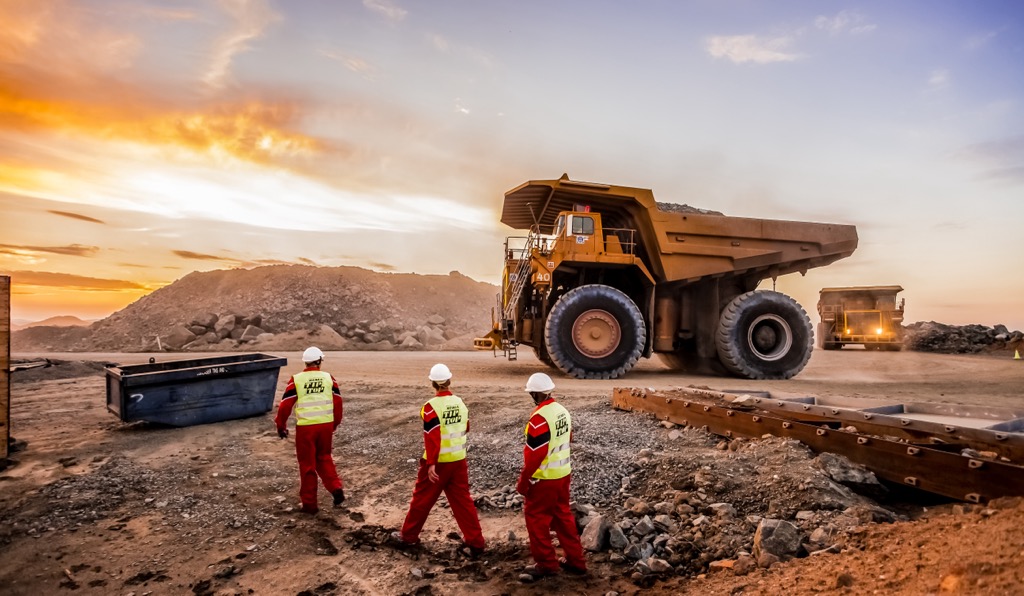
[454, 482]
[546, 508]
[313, 445]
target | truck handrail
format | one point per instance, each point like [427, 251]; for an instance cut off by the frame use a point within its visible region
[625, 238]
[522, 273]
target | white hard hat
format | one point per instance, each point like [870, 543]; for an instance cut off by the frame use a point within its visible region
[539, 383]
[439, 372]
[312, 355]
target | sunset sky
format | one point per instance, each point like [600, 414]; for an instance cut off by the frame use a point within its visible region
[141, 141]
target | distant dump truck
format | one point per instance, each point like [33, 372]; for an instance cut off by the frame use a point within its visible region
[604, 276]
[866, 315]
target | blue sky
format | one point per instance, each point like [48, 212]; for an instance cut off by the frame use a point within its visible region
[140, 141]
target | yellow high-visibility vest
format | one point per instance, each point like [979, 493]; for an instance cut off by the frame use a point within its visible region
[556, 464]
[314, 403]
[454, 418]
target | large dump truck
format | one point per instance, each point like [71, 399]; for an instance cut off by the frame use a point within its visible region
[863, 315]
[604, 276]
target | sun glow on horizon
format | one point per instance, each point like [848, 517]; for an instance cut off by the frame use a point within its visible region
[140, 142]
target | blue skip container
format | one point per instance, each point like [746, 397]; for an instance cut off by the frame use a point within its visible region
[198, 391]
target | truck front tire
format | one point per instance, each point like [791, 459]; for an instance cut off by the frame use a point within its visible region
[764, 335]
[595, 332]
[542, 354]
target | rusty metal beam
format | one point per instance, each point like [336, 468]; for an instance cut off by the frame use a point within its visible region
[1006, 444]
[922, 467]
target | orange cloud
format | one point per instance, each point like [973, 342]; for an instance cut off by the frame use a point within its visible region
[252, 130]
[66, 280]
[74, 250]
[64, 67]
[76, 216]
[239, 263]
[188, 254]
[382, 266]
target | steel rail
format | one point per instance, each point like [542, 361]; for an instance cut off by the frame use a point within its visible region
[923, 467]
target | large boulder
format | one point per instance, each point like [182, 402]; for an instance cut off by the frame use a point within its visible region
[254, 320]
[207, 320]
[595, 534]
[178, 337]
[225, 325]
[849, 474]
[251, 333]
[777, 537]
[410, 343]
[430, 336]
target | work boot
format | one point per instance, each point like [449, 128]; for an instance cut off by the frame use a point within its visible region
[310, 509]
[473, 552]
[339, 497]
[569, 568]
[532, 573]
[396, 540]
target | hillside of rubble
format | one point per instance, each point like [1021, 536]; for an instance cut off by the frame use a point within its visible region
[285, 307]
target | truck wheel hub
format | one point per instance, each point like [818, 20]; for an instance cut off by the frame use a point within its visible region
[596, 333]
[770, 337]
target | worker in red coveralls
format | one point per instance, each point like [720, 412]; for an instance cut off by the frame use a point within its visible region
[443, 468]
[544, 481]
[316, 399]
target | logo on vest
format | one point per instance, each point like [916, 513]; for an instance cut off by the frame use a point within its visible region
[561, 425]
[451, 415]
[314, 386]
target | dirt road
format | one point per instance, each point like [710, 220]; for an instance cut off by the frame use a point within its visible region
[94, 505]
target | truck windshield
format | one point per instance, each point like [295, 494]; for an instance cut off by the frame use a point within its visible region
[582, 225]
[559, 225]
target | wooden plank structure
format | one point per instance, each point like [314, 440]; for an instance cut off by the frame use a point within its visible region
[936, 463]
[5, 365]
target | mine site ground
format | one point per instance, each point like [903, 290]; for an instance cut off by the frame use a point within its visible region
[93, 505]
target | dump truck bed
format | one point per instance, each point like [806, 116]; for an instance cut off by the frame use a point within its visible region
[683, 247]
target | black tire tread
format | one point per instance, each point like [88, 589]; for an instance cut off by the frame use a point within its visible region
[564, 361]
[731, 355]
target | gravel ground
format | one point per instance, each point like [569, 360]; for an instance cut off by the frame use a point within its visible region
[98, 506]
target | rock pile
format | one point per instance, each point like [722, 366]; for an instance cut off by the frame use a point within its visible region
[684, 208]
[680, 501]
[688, 529]
[964, 339]
[339, 307]
[226, 332]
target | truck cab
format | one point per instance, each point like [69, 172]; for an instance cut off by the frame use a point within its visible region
[580, 236]
[867, 315]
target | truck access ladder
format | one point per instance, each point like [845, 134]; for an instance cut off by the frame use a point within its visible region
[503, 334]
[522, 273]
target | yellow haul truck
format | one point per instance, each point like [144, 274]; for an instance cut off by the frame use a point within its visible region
[865, 315]
[604, 276]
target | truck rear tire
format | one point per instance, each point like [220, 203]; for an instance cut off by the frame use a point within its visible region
[764, 335]
[595, 332]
